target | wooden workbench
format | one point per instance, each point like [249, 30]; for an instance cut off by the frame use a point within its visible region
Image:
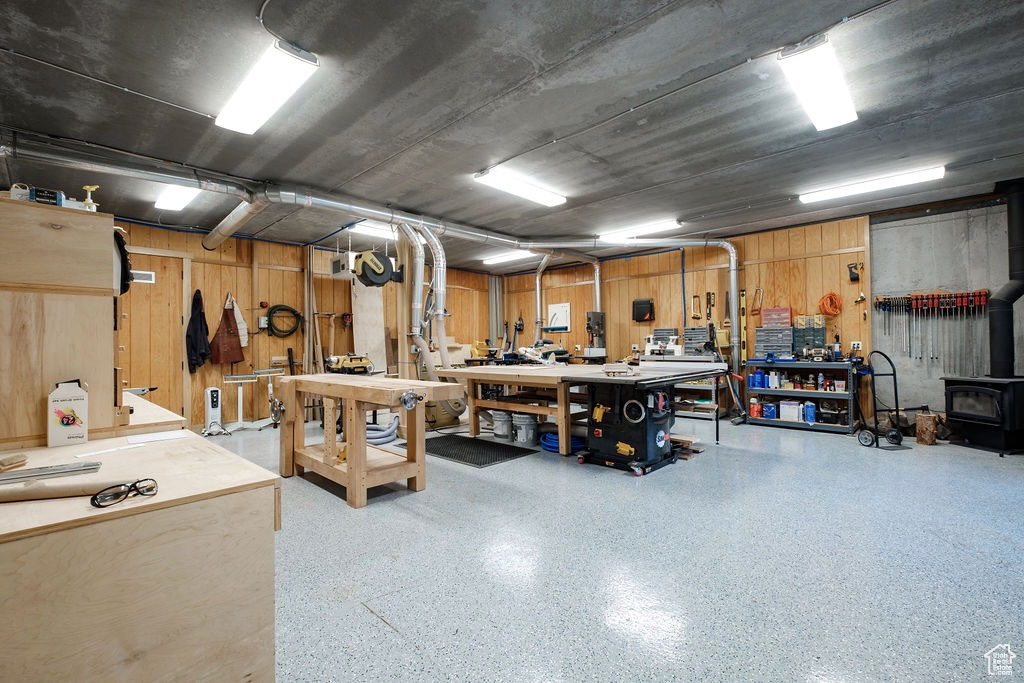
[178, 586]
[364, 466]
[561, 378]
[147, 417]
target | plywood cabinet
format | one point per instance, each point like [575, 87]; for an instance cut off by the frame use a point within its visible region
[56, 316]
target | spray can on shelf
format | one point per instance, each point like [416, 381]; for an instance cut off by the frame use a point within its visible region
[821, 381]
[838, 349]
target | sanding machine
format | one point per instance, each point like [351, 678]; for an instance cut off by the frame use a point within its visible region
[349, 364]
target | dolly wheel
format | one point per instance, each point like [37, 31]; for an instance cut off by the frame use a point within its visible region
[638, 471]
[894, 436]
[866, 437]
[579, 459]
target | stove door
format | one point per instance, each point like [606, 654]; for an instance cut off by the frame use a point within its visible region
[974, 404]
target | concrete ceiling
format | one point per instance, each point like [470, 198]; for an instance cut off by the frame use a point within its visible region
[634, 110]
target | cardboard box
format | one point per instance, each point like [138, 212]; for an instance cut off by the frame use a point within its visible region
[789, 410]
[67, 415]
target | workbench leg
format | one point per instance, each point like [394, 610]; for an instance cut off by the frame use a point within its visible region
[287, 427]
[474, 416]
[299, 431]
[563, 419]
[415, 447]
[330, 431]
[355, 452]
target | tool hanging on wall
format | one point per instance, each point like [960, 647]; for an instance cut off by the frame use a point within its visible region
[935, 327]
[710, 296]
[743, 327]
[695, 306]
[854, 269]
[758, 301]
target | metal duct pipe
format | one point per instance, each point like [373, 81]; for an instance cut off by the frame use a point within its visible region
[1000, 304]
[230, 224]
[356, 207]
[540, 316]
[440, 280]
[597, 285]
[453, 408]
[734, 296]
[153, 171]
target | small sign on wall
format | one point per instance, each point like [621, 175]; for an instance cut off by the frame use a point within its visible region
[558, 318]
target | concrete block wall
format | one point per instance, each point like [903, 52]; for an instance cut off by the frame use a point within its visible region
[960, 251]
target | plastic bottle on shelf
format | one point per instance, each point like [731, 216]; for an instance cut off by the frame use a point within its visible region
[821, 381]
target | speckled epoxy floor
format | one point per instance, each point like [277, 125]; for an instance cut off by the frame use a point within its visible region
[777, 555]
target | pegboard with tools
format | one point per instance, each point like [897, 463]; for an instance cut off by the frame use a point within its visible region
[938, 329]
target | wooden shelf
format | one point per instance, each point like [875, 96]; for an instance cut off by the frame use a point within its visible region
[801, 393]
[382, 467]
[813, 426]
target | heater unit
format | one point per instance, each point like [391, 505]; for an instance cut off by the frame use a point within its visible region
[341, 265]
[213, 403]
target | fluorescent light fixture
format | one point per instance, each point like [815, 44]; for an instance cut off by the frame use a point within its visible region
[813, 72]
[268, 85]
[875, 184]
[514, 255]
[624, 234]
[513, 183]
[176, 197]
[379, 230]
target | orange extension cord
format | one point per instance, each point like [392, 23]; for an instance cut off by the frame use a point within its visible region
[830, 304]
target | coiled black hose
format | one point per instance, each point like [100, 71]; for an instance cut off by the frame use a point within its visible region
[275, 331]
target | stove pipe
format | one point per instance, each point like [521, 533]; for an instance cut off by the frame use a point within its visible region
[1000, 312]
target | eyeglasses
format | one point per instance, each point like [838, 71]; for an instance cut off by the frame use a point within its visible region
[115, 494]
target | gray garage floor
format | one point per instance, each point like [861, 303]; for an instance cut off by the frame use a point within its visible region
[778, 555]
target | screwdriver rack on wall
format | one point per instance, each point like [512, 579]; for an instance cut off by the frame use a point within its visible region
[940, 329]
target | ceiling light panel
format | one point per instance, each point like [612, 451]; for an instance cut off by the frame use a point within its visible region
[519, 185]
[515, 255]
[271, 81]
[379, 230]
[813, 73]
[176, 197]
[875, 184]
[650, 228]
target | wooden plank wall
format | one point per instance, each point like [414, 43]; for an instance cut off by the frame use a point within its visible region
[252, 271]
[794, 266]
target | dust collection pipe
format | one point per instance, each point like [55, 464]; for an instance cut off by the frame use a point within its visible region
[252, 202]
[151, 170]
[536, 287]
[1000, 304]
[440, 286]
[734, 296]
[416, 315]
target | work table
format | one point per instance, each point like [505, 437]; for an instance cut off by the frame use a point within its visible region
[177, 586]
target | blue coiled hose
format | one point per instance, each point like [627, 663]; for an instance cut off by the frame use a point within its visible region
[549, 442]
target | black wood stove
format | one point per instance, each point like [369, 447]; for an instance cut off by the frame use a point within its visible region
[990, 410]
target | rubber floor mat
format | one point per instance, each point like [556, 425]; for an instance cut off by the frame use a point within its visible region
[475, 452]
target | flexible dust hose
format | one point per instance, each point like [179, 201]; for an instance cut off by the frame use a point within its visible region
[377, 435]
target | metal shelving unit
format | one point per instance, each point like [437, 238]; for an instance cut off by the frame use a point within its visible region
[832, 370]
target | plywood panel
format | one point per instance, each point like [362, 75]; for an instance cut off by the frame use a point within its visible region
[34, 233]
[153, 338]
[812, 238]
